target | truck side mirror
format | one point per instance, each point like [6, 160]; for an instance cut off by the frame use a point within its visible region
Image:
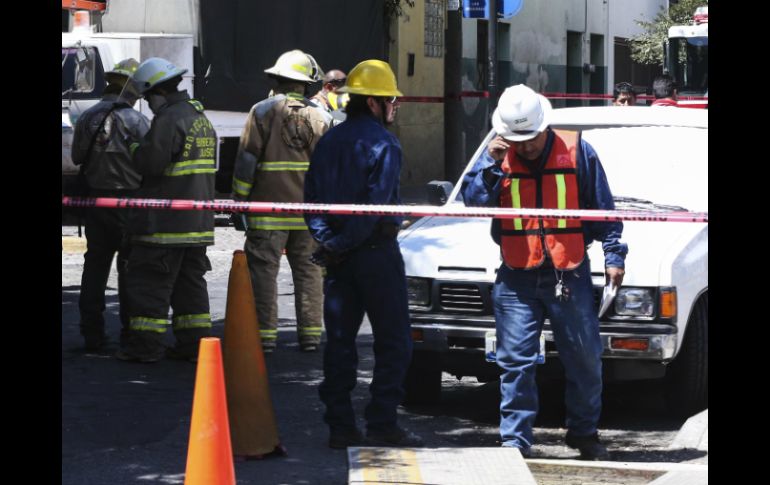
[438, 191]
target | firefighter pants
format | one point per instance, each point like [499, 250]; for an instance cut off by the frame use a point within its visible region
[159, 277]
[263, 251]
[370, 280]
[104, 237]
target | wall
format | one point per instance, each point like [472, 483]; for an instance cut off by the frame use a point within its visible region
[419, 126]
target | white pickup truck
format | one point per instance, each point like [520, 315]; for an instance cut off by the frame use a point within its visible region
[86, 56]
[656, 159]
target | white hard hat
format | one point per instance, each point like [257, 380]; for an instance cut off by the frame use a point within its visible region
[521, 114]
[294, 65]
[154, 71]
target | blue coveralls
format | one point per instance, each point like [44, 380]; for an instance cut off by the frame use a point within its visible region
[523, 298]
[359, 162]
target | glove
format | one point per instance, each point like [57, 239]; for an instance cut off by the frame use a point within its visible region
[239, 221]
[324, 257]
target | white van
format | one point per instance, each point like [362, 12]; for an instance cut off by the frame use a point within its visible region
[656, 159]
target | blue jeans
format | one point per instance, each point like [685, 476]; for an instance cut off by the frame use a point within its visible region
[371, 280]
[522, 301]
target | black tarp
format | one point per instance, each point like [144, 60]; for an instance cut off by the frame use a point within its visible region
[239, 39]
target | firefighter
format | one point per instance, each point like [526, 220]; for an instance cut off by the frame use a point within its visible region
[274, 152]
[101, 146]
[359, 162]
[328, 97]
[168, 255]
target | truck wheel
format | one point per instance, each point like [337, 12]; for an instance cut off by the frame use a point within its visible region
[423, 379]
[686, 381]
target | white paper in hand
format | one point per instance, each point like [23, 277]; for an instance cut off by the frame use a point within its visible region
[607, 297]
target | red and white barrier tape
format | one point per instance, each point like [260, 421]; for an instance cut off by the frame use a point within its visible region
[385, 210]
[578, 96]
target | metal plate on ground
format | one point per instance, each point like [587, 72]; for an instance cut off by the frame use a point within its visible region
[437, 466]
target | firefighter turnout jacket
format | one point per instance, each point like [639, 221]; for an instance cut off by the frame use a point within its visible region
[177, 161]
[274, 153]
[110, 167]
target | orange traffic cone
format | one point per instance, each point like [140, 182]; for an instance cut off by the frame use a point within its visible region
[252, 420]
[209, 456]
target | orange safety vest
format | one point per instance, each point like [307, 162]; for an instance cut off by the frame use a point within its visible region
[556, 187]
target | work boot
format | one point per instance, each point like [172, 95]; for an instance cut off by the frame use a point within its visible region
[308, 346]
[397, 437]
[268, 346]
[142, 348]
[174, 353]
[341, 438]
[589, 446]
[95, 342]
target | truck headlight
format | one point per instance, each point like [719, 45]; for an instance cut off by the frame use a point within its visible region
[636, 302]
[418, 291]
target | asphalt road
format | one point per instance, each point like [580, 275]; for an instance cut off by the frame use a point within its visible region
[128, 423]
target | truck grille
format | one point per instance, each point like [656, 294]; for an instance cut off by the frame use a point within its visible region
[461, 297]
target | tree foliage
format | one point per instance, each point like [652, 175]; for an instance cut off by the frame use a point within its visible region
[647, 48]
[393, 8]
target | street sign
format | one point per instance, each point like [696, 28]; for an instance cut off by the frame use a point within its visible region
[480, 8]
[508, 8]
[475, 9]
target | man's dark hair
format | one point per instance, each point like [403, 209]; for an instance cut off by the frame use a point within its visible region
[623, 88]
[357, 106]
[663, 86]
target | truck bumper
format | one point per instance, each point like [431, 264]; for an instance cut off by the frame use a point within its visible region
[442, 338]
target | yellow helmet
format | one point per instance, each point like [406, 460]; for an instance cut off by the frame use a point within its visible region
[372, 78]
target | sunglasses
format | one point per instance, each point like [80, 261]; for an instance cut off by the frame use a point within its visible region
[391, 100]
[337, 82]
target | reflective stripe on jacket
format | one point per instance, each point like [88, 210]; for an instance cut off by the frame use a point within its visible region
[274, 154]
[177, 159]
[555, 187]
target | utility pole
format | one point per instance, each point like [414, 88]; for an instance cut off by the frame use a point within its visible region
[454, 149]
[492, 59]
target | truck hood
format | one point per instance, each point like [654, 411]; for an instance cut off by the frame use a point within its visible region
[462, 249]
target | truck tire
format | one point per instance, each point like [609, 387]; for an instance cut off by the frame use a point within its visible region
[423, 379]
[686, 381]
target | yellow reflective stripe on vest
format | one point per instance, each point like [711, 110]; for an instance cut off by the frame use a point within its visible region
[133, 147]
[205, 165]
[516, 200]
[295, 96]
[201, 320]
[561, 197]
[176, 237]
[266, 223]
[283, 166]
[332, 98]
[242, 188]
[146, 324]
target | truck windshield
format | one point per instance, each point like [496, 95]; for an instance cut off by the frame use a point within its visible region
[689, 64]
[90, 83]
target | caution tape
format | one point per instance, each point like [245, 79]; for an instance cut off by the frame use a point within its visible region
[573, 96]
[385, 210]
